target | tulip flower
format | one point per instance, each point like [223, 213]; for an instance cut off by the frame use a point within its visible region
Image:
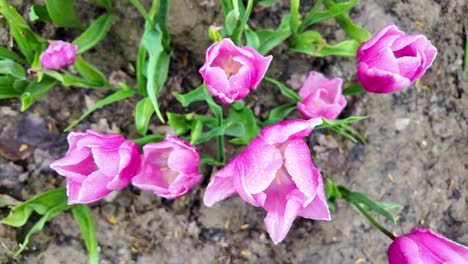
[58, 55]
[423, 246]
[230, 72]
[169, 168]
[275, 172]
[321, 97]
[97, 164]
[391, 60]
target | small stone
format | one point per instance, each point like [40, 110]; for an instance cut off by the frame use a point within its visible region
[402, 123]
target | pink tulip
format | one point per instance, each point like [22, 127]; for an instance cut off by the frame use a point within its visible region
[169, 168]
[96, 164]
[58, 55]
[275, 172]
[321, 97]
[423, 246]
[391, 60]
[230, 72]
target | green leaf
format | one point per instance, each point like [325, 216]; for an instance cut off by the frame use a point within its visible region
[266, 2]
[466, 53]
[366, 202]
[269, 39]
[178, 122]
[143, 113]
[89, 71]
[148, 139]
[312, 43]
[346, 23]
[295, 21]
[84, 219]
[67, 79]
[152, 41]
[251, 39]
[51, 213]
[332, 191]
[115, 97]
[208, 160]
[39, 13]
[10, 55]
[28, 42]
[279, 113]
[94, 33]
[41, 204]
[12, 68]
[206, 136]
[230, 22]
[244, 125]
[341, 127]
[63, 13]
[286, 91]
[334, 10]
[35, 90]
[194, 96]
[7, 87]
[245, 13]
[355, 88]
[107, 4]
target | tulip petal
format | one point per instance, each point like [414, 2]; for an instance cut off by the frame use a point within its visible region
[378, 81]
[221, 185]
[76, 165]
[284, 130]
[317, 208]
[92, 189]
[299, 165]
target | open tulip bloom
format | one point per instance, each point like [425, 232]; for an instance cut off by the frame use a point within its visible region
[275, 172]
[169, 168]
[230, 71]
[423, 246]
[97, 164]
[391, 60]
[321, 97]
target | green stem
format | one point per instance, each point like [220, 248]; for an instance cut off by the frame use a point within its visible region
[373, 221]
[220, 141]
[237, 34]
[142, 11]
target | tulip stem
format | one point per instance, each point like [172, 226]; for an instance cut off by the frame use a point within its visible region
[220, 141]
[373, 221]
[142, 11]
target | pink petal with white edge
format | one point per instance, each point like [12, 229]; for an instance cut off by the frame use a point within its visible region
[317, 207]
[284, 130]
[379, 81]
[221, 185]
[92, 189]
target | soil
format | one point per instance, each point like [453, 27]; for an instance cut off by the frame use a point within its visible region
[416, 154]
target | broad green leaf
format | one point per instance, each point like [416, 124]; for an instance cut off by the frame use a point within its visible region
[41, 204]
[196, 129]
[152, 41]
[206, 136]
[7, 87]
[115, 97]
[10, 55]
[12, 68]
[28, 42]
[94, 33]
[49, 214]
[194, 96]
[312, 43]
[244, 125]
[84, 220]
[148, 139]
[230, 22]
[366, 202]
[38, 13]
[279, 113]
[269, 39]
[143, 113]
[266, 2]
[178, 122]
[251, 39]
[208, 160]
[89, 71]
[332, 191]
[355, 88]
[161, 20]
[162, 70]
[63, 13]
[316, 16]
[35, 90]
[286, 91]
[245, 13]
[140, 70]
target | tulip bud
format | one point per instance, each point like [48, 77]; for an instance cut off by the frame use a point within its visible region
[58, 55]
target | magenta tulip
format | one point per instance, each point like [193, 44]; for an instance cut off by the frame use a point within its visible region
[321, 97]
[230, 72]
[169, 168]
[391, 60]
[275, 172]
[58, 55]
[97, 164]
[423, 246]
